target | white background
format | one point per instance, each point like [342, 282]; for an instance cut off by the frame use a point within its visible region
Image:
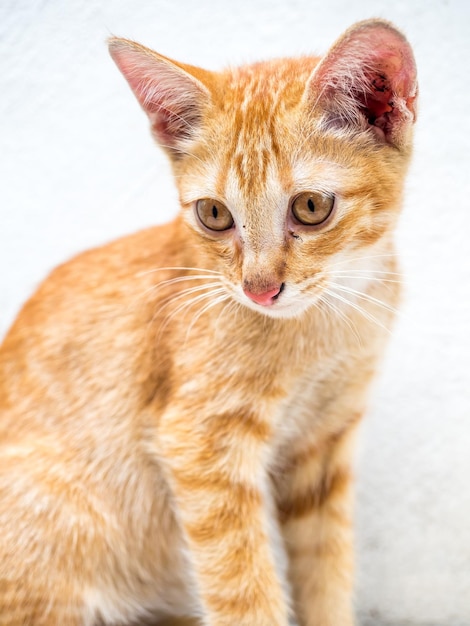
[78, 167]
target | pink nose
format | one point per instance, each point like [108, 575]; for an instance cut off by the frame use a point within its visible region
[266, 298]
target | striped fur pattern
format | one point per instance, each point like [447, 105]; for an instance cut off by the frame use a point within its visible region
[178, 408]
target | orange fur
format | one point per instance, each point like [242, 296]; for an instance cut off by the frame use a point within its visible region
[178, 407]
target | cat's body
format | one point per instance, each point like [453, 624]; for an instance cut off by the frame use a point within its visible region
[178, 407]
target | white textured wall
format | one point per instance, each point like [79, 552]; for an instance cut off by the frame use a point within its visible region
[77, 167]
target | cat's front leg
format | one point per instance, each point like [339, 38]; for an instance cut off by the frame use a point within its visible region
[314, 508]
[215, 465]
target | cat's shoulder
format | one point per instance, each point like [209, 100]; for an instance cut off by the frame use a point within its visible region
[100, 280]
[120, 260]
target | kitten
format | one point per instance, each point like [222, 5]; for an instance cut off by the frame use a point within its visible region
[178, 407]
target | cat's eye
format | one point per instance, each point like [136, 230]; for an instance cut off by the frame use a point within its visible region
[312, 207]
[213, 214]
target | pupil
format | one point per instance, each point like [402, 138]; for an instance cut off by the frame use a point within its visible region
[310, 204]
[215, 213]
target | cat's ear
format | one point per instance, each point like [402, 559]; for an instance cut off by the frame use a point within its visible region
[367, 80]
[172, 94]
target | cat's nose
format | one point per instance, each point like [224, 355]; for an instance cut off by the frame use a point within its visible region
[266, 298]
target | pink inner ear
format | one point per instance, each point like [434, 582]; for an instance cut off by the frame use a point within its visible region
[374, 64]
[395, 74]
[379, 100]
[390, 89]
[170, 97]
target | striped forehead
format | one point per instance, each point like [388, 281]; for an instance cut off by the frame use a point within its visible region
[255, 147]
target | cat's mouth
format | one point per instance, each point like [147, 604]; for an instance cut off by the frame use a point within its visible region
[280, 301]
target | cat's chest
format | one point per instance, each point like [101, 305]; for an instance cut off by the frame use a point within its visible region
[302, 407]
[280, 379]
[289, 375]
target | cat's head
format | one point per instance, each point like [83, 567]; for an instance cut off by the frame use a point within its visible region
[285, 169]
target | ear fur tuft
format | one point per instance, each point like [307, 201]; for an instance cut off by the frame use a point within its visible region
[169, 93]
[368, 81]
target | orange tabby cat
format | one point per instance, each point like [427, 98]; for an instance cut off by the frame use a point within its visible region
[178, 407]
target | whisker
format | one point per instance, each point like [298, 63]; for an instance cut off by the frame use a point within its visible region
[235, 305]
[171, 299]
[174, 298]
[365, 296]
[365, 272]
[347, 320]
[179, 279]
[361, 258]
[190, 303]
[178, 269]
[359, 309]
[227, 308]
[378, 279]
[205, 308]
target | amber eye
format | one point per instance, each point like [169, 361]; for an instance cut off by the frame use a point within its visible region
[312, 207]
[213, 214]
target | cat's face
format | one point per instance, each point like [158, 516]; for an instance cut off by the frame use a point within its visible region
[289, 172]
[278, 202]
